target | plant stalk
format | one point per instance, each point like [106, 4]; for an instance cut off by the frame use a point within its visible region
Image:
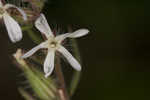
[63, 91]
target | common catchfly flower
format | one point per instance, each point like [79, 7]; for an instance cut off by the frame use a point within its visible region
[53, 44]
[12, 26]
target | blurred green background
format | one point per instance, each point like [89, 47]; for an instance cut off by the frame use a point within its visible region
[116, 53]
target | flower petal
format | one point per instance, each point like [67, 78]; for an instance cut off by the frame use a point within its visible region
[13, 28]
[79, 33]
[33, 50]
[1, 4]
[76, 34]
[74, 63]
[42, 24]
[49, 63]
[7, 6]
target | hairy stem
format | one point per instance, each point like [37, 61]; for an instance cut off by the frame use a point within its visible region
[63, 91]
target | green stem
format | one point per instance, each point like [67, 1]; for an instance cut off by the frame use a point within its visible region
[76, 76]
[60, 76]
[34, 37]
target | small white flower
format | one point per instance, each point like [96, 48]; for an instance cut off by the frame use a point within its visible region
[13, 28]
[53, 44]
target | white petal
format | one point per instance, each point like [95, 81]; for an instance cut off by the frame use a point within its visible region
[33, 50]
[13, 28]
[74, 63]
[76, 34]
[42, 24]
[49, 63]
[7, 6]
[1, 4]
[79, 33]
[60, 38]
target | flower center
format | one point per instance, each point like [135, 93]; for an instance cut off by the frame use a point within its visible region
[53, 44]
[2, 11]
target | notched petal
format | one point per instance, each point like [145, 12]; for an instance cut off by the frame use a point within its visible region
[79, 33]
[42, 25]
[32, 51]
[73, 62]
[7, 6]
[13, 28]
[76, 34]
[49, 63]
[1, 4]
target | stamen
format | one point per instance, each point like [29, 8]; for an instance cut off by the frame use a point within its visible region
[2, 11]
[53, 44]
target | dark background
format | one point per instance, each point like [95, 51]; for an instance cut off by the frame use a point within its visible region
[116, 53]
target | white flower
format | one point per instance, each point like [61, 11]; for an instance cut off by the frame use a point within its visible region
[13, 28]
[53, 44]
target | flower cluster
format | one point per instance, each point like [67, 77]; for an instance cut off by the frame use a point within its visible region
[52, 42]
